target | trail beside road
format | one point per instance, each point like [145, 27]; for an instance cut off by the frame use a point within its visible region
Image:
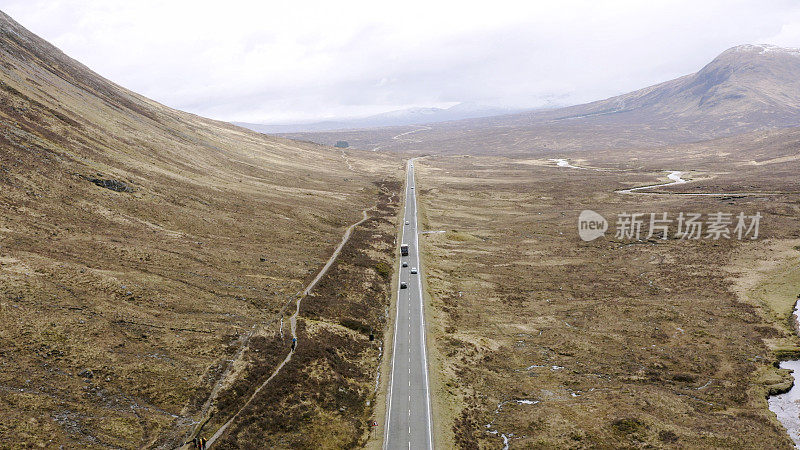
[293, 326]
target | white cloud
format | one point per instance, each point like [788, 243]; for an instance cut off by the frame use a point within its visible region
[283, 61]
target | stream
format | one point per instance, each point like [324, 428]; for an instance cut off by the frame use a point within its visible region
[674, 175]
[675, 179]
[787, 405]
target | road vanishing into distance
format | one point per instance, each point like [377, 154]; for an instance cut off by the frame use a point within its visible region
[408, 412]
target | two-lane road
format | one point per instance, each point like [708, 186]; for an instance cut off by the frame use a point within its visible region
[408, 416]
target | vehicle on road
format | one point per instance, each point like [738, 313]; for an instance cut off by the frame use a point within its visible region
[413, 270]
[408, 223]
[412, 187]
[403, 285]
[404, 249]
[405, 264]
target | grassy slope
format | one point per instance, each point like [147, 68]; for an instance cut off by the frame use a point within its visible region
[326, 395]
[118, 310]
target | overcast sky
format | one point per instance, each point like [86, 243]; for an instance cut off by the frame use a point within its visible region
[292, 60]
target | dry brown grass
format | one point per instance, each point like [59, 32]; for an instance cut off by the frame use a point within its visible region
[620, 344]
[119, 310]
[325, 396]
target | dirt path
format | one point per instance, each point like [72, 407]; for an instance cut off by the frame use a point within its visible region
[396, 138]
[293, 323]
[347, 160]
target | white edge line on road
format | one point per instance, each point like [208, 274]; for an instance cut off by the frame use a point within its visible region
[423, 342]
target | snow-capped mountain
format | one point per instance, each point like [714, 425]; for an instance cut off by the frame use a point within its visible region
[410, 116]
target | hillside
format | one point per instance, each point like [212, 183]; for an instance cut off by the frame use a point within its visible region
[745, 88]
[745, 85]
[140, 245]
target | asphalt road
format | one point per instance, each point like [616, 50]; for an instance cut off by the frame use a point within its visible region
[408, 416]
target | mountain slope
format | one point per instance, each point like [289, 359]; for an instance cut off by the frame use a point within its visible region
[139, 245]
[745, 88]
[401, 117]
[755, 84]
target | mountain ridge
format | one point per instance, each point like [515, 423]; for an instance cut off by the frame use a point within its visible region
[400, 117]
[729, 76]
[745, 88]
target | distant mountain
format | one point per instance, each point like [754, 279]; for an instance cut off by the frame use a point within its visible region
[745, 88]
[410, 116]
[753, 84]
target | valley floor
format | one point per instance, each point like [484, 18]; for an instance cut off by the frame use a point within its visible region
[543, 340]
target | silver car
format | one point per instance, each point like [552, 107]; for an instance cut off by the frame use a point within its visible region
[413, 270]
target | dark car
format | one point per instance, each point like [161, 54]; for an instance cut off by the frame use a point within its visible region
[403, 285]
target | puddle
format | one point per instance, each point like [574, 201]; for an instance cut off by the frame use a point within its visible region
[490, 426]
[787, 405]
[564, 163]
[538, 366]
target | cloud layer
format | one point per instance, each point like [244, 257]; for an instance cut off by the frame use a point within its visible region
[275, 61]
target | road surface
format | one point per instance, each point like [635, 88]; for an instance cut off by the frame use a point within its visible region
[409, 424]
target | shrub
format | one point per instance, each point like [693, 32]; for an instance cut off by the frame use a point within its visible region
[628, 425]
[384, 270]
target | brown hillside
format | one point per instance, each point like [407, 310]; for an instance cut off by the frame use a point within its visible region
[139, 244]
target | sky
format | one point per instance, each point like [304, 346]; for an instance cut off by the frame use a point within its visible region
[297, 61]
